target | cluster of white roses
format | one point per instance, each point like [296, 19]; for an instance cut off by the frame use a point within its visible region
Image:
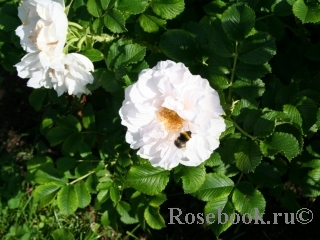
[43, 35]
[172, 116]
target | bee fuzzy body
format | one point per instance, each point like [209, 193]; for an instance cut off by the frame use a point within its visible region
[181, 141]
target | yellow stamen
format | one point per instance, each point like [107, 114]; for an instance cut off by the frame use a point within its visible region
[171, 120]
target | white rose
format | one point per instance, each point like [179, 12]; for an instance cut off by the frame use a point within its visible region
[65, 73]
[164, 103]
[44, 26]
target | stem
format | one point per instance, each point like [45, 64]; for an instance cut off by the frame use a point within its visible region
[241, 130]
[266, 16]
[239, 178]
[233, 70]
[84, 176]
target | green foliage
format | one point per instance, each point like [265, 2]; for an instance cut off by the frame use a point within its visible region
[261, 56]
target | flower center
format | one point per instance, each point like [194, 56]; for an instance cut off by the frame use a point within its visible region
[171, 120]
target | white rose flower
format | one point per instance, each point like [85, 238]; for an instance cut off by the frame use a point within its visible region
[45, 26]
[65, 73]
[172, 116]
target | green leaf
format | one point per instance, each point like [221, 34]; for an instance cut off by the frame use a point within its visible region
[115, 194]
[293, 113]
[265, 175]
[147, 179]
[131, 53]
[62, 233]
[192, 177]
[308, 111]
[311, 185]
[167, 9]
[150, 23]
[132, 6]
[252, 72]
[222, 210]
[106, 79]
[45, 193]
[285, 143]
[257, 49]
[178, 45]
[218, 40]
[88, 117]
[47, 173]
[71, 145]
[215, 186]
[246, 199]
[67, 200]
[70, 122]
[93, 54]
[123, 208]
[7, 22]
[37, 97]
[83, 194]
[307, 14]
[153, 218]
[238, 20]
[115, 21]
[157, 200]
[94, 8]
[249, 89]
[214, 160]
[247, 155]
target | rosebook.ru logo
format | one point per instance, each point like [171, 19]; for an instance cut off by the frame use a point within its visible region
[303, 216]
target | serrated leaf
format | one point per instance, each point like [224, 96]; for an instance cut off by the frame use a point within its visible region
[311, 185]
[293, 113]
[115, 21]
[252, 72]
[115, 194]
[70, 122]
[214, 160]
[222, 210]
[247, 155]
[151, 24]
[57, 135]
[285, 143]
[67, 200]
[132, 6]
[214, 186]
[178, 45]
[71, 145]
[147, 179]
[192, 177]
[37, 97]
[218, 40]
[238, 20]
[246, 199]
[257, 49]
[93, 54]
[157, 200]
[123, 208]
[83, 194]
[131, 53]
[308, 111]
[307, 14]
[45, 193]
[249, 89]
[167, 9]
[265, 175]
[153, 218]
[47, 173]
[94, 8]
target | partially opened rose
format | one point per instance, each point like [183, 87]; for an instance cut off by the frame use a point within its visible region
[44, 26]
[65, 73]
[172, 116]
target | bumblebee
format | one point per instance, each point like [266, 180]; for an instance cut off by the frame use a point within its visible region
[181, 141]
